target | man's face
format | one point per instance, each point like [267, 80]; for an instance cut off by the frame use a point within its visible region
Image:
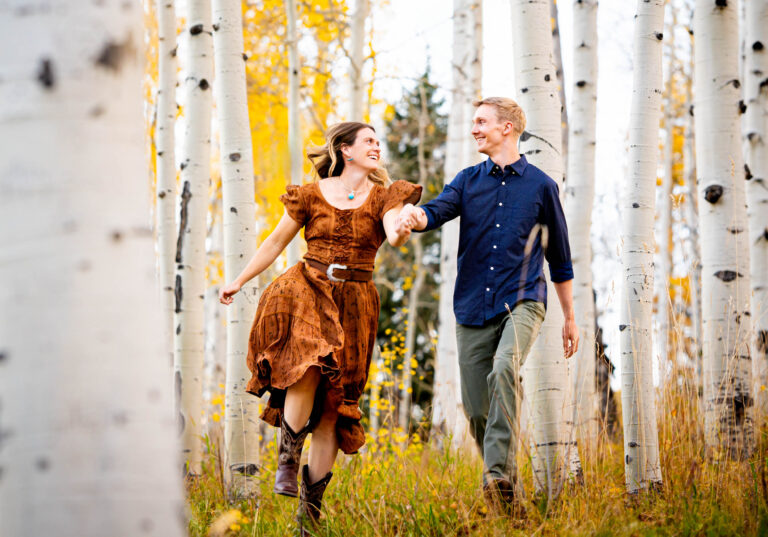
[487, 130]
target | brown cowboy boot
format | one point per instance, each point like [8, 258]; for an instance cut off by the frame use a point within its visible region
[310, 501]
[289, 459]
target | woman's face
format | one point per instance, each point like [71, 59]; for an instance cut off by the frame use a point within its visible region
[365, 152]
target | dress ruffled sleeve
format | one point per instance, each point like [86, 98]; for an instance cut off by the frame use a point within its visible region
[294, 203]
[400, 192]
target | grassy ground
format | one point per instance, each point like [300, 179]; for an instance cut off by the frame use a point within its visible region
[425, 491]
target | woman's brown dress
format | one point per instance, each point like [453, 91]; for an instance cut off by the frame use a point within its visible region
[305, 320]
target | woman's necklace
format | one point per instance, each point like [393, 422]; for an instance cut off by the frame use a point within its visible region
[352, 193]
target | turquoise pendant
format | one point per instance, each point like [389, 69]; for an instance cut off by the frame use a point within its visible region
[351, 195]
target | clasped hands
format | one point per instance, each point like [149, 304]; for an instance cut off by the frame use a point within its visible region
[410, 217]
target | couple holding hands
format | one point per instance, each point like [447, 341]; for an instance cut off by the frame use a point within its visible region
[315, 328]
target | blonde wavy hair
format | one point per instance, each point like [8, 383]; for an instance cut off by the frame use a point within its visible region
[328, 161]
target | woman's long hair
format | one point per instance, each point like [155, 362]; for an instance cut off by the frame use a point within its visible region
[328, 160]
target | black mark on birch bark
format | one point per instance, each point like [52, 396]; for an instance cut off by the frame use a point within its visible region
[581, 83]
[742, 107]
[233, 210]
[721, 3]
[42, 464]
[3, 356]
[203, 85]
[116, 235]
[234, 157]
[186, 195]
[712, 193]
[245, 57]
[747, 172]
[215, 27]
[177, 395]
[546, 78]
[622, 327]
[113, 54]
[177, 293]
[659, 36]
[196, 29]
[146, 525]
[762, 341]
[45, 73]
[245, 469]
[727, 275]
[757, 45]
[526, 135]
[635, 205]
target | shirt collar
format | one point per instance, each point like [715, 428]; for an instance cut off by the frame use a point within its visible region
[518, 167]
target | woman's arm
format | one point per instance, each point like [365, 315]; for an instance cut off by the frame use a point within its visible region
[397, 233]
[266, 254]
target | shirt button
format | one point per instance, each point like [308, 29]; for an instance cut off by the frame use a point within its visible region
[503, 183]
[500, 204]
[497, 225]
[491, 268]
[487, 288]
[494, 246]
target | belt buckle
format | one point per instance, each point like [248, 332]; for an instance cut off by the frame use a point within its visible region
[330, 270]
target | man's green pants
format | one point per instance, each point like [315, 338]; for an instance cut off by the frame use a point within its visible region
[490, 358]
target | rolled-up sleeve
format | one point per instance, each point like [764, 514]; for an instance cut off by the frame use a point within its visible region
[558, 249]
[446, 206]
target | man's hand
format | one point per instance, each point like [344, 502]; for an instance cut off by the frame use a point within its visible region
[570, 337]
[412, 217]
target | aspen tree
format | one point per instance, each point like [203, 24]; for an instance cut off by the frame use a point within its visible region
[240, 233]
[448, 417]
[726, 318]
[558, 56]
[545, 373]
[294, 126]
[190, 245]
[86, 441]
[641, 462]
[357, 60]
[755, 129]
[579, 194]
[166, 162]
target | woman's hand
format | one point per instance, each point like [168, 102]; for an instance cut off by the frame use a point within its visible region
[227, 292]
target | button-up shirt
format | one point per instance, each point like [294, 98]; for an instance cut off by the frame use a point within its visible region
[507, 215]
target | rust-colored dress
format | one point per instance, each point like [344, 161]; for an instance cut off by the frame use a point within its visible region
[306, 320]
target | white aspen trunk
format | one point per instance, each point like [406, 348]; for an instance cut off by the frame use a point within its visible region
[663, 273]
[357, 61]
[165, 226]
[558, 56]
[190, 246]
[214, 363]
[448, 417]
[241, 428]
[293, 251]
[756, 153]
[580, 193]
[641, 445]
[724, 249]
[692, 249]
[545, 373]
[86, 429]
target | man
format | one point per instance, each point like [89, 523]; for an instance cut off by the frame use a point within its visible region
[511, 219]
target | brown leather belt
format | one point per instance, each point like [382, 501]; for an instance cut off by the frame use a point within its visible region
[340, 273]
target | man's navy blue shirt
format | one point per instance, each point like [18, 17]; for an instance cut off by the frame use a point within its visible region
[499, 211]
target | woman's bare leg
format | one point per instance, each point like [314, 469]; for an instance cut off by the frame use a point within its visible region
[300, 398]
[324, 446]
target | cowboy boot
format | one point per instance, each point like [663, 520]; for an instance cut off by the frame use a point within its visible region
[310, 501]
[289, 459]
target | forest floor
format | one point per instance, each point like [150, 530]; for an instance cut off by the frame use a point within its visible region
[422, 490]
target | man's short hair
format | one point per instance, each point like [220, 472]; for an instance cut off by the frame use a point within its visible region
[506, 110]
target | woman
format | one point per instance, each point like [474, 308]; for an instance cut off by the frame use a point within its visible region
[315, 327]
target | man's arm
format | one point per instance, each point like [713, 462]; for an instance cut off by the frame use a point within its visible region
[437, 212]
[570, 330]
[558, 255]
